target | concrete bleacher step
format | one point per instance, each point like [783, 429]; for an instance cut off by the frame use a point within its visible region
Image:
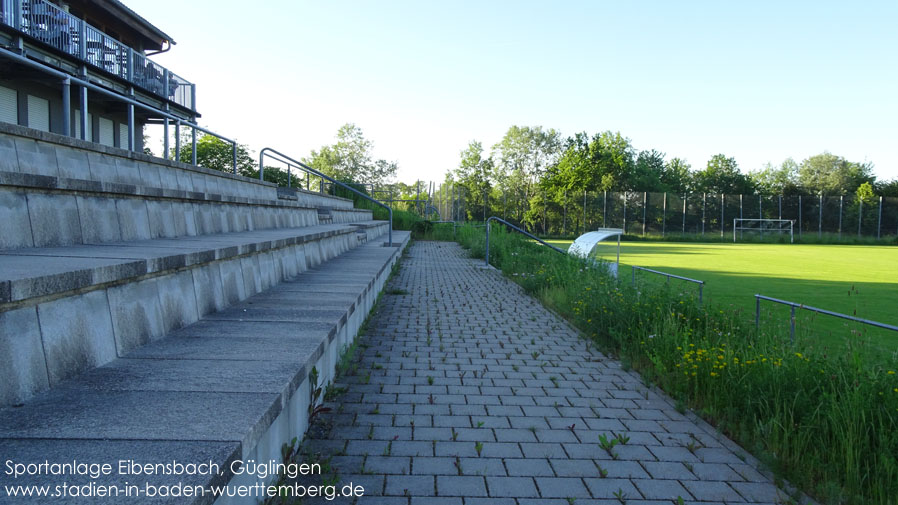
[156, 311]
[234, 385]
[104, 250]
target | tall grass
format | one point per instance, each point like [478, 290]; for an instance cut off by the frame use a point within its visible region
[828, 423]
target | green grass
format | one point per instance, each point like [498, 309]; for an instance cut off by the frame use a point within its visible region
[826, 420]
[858, 280]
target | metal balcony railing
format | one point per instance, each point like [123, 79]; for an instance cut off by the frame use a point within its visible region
[51, 25]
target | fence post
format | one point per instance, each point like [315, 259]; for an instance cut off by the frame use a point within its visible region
[760, 215]
[740, 215]
[820, 218]
[792, 326]
[684, 212]
[487, 258]
[757, 311]
[564, 216]
[704, 201]
[664, 215]
[645, 199]
[879, 220]
[781, 207]
[625, 212]
[841, 202]
[722, 205]
[799, 217]
[604, 209]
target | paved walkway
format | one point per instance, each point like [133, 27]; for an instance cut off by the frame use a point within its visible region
[469, 392]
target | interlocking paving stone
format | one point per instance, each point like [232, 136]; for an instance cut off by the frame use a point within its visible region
[448, 405]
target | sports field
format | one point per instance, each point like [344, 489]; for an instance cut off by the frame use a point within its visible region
[851, 279]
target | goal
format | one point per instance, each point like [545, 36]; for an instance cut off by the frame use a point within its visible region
[763, 226]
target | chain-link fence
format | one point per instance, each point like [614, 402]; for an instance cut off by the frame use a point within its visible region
[643, 213]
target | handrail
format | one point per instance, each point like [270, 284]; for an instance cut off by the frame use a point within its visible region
[312, 171]
[130, 101]
[793, 305]
[515, 228]
[701, 284]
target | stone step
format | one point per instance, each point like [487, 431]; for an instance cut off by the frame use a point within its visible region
[65, 310]
[46, 211]
[32, 152]
[232, 386]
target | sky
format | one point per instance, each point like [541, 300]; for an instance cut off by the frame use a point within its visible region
[760, 81]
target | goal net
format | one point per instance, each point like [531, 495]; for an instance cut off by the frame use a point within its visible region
[762, 226]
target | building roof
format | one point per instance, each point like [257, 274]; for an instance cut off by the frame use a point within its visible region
[133, 20]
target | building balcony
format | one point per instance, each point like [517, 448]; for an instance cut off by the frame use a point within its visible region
[49, 24]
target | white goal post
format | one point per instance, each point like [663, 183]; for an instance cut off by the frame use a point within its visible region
[764, 225]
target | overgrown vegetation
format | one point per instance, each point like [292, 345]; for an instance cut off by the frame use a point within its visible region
[827, 421]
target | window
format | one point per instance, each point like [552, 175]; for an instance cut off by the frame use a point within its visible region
[107, 134]
[9, 108]
[123, 135]
[38, 113]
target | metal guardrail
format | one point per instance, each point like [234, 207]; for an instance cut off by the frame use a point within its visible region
[309, 170]
[515, 228]
[701, 284]
[67, 80]
[793, 305]
[61, 30]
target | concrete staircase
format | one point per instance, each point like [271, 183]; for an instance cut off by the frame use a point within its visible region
[151, 309]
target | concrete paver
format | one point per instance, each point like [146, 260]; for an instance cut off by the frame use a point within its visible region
[468, 391]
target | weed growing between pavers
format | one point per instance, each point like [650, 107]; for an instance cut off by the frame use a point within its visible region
[823, 418]
[325, 399]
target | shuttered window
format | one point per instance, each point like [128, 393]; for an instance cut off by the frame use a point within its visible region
[38, 113]
[107, 134]
[9, 109]
[123, 135]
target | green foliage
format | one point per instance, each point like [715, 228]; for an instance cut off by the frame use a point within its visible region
[826, 420]
[829, 174]
[214, 153]
[473, 176]
[349, 159]
[722, 175]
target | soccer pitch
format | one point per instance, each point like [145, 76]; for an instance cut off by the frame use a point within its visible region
[856, 280]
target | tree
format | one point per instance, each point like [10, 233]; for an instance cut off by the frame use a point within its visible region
[349, 159]
[829, 174]
[721, 176]
[676, 176]
[473, 174]
[521, 159]
[214, 153]
[887, 188]
[773, 180]
[647, 171]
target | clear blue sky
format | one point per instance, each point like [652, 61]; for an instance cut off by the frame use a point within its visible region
[756, 80]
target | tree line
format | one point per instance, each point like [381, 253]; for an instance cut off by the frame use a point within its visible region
[533, 167]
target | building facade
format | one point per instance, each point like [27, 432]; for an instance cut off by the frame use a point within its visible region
[60, 59]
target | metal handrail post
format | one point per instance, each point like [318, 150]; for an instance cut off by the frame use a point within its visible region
[519, 230]
[287, 160]
[794, 306]
[701, 284]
